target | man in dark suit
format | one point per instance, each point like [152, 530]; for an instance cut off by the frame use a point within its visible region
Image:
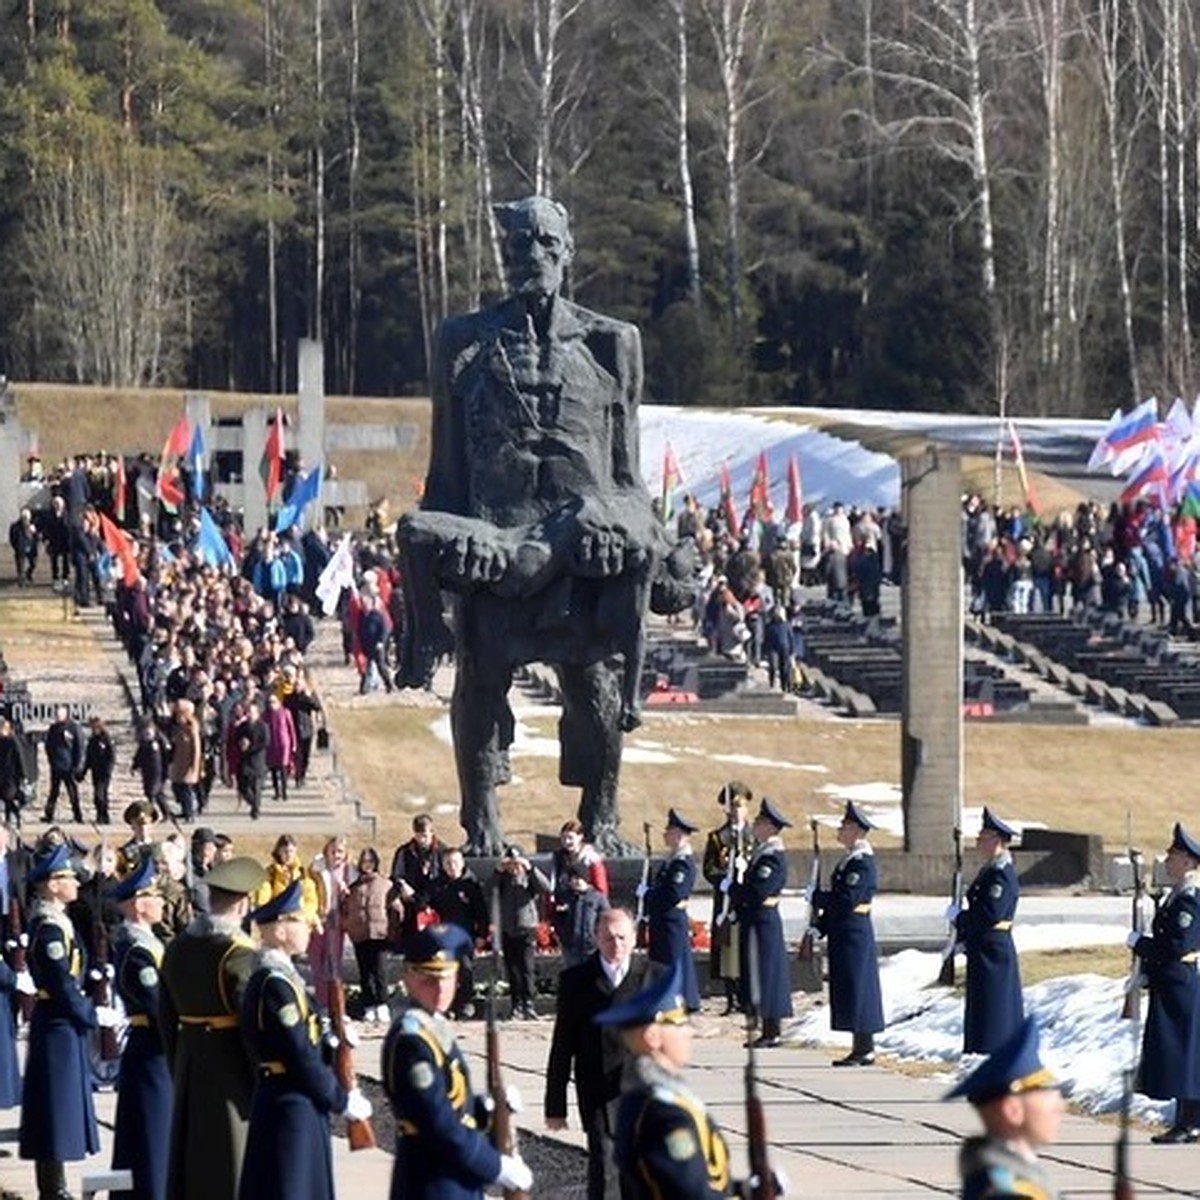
[64, 752]
[595, 1056]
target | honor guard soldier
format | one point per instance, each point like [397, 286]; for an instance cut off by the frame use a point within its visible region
[1020, 1105]
[667, 906]
[1168, 955]
[204, 974]
[442, 1151]
[142, 1132]
[288, 1151]
[58, 1123]
[844, 917]
[667, 1146]
[756, 901]
[726, 856]
[994, 1006]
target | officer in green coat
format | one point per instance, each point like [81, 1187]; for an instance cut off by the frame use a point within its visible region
[204, 974]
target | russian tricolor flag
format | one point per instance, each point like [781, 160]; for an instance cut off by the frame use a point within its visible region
[1151, 473]
[1125, 432]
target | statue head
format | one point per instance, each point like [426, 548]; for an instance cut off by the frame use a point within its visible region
[537, 246]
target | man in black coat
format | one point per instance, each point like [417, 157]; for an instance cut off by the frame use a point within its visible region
[64, 753]
[595, 1056]
[253, 737]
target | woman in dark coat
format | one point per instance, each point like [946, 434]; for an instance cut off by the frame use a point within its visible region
[994, 1004]
[288, 1152]
[666, 907]
[58, 1122]
[1171, 1044]
[98, 760]
[843, 915]
[142, 1136]
[756, 901]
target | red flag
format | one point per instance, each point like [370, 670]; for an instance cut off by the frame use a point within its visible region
[795, 503]
[117, 543]
[119, 487]
[731, 521]
[177, 443]
[759, 486]
[270, 468]
[1031, 500]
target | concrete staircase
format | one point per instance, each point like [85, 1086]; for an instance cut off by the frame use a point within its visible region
[323, 806]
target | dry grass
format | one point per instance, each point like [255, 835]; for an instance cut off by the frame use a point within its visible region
[36, 635]
[1040, 965]
[1069, 778]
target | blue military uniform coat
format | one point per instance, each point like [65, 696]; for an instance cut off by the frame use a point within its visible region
[666, 1144]
[844, 918]
[58, 1122]
[288, 1152]
[1171, 1044]
[994, 1005]
[756, 902]
[10, 1071]
[670, 929]
[990, 1168]
[441, 1151]
[142, 1132]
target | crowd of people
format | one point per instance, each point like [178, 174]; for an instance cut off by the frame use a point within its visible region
[1133, 560]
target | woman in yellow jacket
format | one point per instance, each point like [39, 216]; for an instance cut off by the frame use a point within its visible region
[285, 865]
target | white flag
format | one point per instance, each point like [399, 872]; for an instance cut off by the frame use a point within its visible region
[338, 574]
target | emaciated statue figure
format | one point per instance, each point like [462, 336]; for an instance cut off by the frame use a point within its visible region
[536, 520]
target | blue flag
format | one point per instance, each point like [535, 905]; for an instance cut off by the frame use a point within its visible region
[304, 493]
[210, 545]
[195, 460]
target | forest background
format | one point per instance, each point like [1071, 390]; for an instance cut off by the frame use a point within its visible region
[966, 205]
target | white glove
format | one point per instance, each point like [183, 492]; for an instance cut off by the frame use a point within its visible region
[808, 893]
[514, 1175]
[725, 884]
[351, 1032]
[952, 912]
[25, 984]
[741, 863]
[782, 1183]
[512, 1098]
[358, 1107]
[23, 941]
[1132, 938]
[107, 1017]
[96, 974]
[641, 890]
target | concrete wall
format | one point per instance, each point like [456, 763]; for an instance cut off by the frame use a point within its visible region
[931, 723]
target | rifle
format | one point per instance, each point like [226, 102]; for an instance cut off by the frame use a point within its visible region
[1131, 1008]
[642, 919]
[1122, 1184]
[16, 957]
[761, 1185]
[808, 944]
[946, 975]
[503, 1135]
[100, 991]
[732, 874]
[359, 1132]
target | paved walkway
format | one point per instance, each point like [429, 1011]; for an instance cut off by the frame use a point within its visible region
[871, 1134]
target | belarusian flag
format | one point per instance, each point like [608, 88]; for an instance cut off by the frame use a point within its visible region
[270, 469]
[672, 477]
[795, 504]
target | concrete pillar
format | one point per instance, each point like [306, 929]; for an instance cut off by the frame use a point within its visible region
[931, 720]
[254, 442]
[310, 441]
[12, 447]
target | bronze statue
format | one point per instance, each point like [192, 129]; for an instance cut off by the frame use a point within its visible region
[536, 520]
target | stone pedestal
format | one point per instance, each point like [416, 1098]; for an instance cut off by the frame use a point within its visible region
[931, 721]
[254, 442]
[12, 447]
[310, 440]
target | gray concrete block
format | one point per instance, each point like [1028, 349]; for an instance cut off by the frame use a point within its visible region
[1116, 699]
[1158, 713]
[1077, 683]
[1135, 704]
[859, 704]
[1058, 674]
